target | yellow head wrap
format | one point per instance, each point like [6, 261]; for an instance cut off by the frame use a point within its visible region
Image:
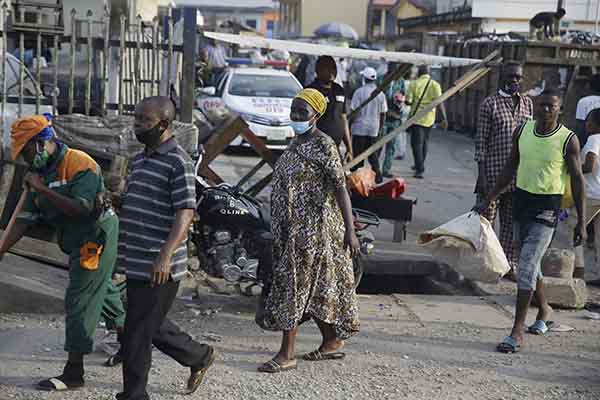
[23, 130]
[314, 98]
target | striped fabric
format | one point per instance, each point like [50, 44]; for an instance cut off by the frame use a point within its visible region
[159, 184]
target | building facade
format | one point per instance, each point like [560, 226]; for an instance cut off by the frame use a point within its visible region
[302, 17]
[499, 16]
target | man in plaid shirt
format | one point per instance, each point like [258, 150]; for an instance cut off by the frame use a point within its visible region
[499, 116]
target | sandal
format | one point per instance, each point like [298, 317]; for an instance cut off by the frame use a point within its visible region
[59, 384]
[540, 327]
[197, 375]
[114, 360]
[319, 356]
[508, 346]
[273, 367]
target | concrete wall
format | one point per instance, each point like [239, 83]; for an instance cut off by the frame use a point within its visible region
[319, 12]
[408, 10]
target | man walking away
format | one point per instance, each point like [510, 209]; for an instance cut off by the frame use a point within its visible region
[499, 115]
[158, 208]
[544, 155]
[584, 106]
[216, 58]
[397, 113]
[334, 122]
[421, 93]
[369, 121]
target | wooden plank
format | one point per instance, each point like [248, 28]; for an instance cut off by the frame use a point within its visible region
[221, 139]
[337, 51]
[260, 185]
[251, 173]
[467, 80]
[40, 250]
[563, 61]
[259, 146]
[211, 175]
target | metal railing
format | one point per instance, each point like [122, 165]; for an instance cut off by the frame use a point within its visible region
[94, 69]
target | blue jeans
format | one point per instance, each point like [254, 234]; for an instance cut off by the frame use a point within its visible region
[533, 239]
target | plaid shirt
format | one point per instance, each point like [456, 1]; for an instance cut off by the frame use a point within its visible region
[495, 126]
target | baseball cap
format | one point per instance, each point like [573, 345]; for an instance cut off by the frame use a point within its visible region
[369, 73]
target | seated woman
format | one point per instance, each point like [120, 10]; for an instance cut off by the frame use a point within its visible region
[314, 241]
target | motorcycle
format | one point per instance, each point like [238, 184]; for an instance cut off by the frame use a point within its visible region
[233, 238]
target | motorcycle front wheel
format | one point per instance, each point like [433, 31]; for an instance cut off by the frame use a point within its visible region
[358, 267]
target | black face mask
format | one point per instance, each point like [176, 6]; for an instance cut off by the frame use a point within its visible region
[149, 137]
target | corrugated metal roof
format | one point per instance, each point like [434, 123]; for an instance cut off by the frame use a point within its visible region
[239, 4]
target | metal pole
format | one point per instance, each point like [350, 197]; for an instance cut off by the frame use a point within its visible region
[189, 64]
[105, 60]
[55, 60]
[72, 59]
[38, 97]
[121, 60]
[597, 16]
[21, 64]
[88, 83]
[5, 132]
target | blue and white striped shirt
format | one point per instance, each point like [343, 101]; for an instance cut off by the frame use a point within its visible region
[160, 183]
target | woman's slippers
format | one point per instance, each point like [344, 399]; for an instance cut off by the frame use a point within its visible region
[59, 384]
[319, 356]
[540, 327]
[273, 367]
[508, 346]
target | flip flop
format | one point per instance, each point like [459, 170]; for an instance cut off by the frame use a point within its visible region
[197, 376]
[508, 346]
[114, 360]
[58, 384]
[273, 367]
[319, 356]
[540, 327]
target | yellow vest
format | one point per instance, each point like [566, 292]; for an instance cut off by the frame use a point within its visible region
[542, 164]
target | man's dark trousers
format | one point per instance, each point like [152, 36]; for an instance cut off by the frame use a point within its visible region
[419, 140]
[146, 325]
[359, 145]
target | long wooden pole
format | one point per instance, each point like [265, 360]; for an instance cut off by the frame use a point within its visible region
[468, 79]
[13, 218]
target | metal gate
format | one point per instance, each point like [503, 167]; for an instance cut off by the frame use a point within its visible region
[89, 67]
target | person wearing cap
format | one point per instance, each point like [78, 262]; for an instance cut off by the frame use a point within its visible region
[422, 92]
[333, 122]
[313, 242]
[66, 191]
[368, 123]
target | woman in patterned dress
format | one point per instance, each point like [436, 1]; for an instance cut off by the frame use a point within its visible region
[314, 241]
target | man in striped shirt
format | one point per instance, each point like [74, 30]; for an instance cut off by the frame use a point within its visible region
[157, 210]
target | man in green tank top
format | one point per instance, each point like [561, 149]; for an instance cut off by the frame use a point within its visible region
[544, 156]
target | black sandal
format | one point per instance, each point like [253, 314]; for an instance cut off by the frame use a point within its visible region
[114, 360]
[59, 384]
[273, 367]
[319, 356]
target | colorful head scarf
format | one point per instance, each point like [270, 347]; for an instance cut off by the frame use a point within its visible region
[314, 98]
[25, 129]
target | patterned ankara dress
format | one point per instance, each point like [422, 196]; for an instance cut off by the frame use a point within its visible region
[312, 273]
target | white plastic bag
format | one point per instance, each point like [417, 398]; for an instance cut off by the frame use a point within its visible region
[468, 245]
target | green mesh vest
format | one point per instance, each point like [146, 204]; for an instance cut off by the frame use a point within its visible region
[542, 164]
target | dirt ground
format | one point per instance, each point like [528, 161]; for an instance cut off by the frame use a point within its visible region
[414, 347]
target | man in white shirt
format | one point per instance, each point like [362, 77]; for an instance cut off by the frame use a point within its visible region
[590, 156]
[585, 106]
[368, 123]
